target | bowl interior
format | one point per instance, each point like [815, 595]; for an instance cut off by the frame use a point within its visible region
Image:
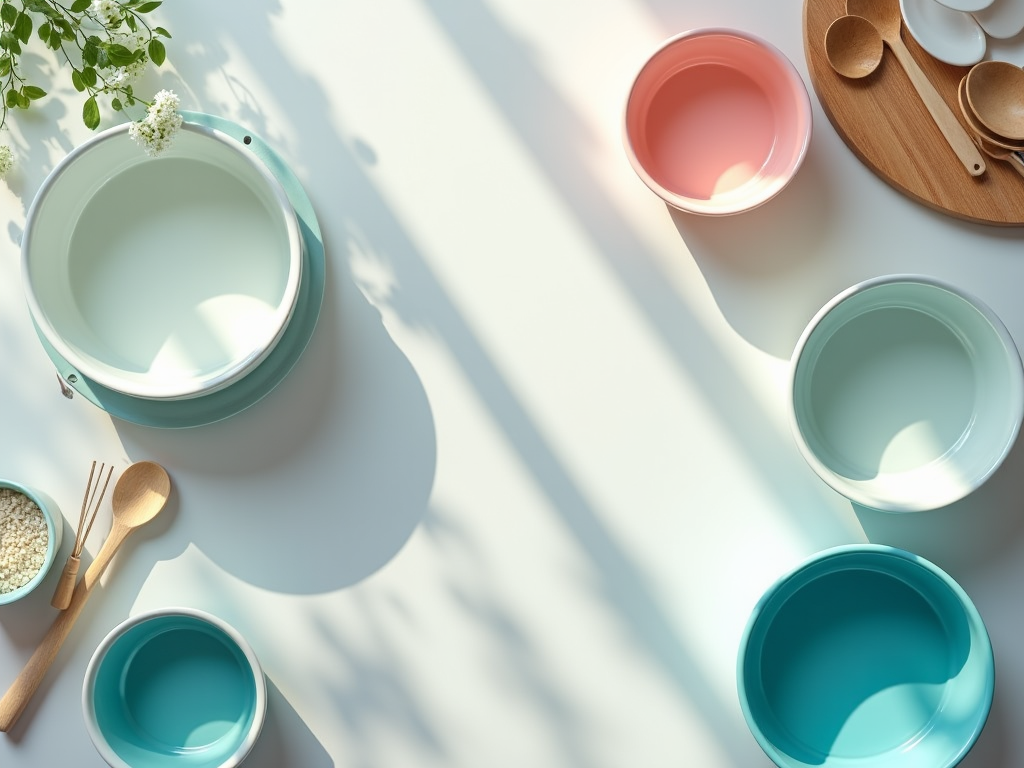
[174, 690]
[717, 122]
[906, 395]
[866, 657]
[12, 493]
[162, 277]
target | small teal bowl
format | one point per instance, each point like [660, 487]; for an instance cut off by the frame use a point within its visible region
[865, 655]
[174, 688]
[54, 530]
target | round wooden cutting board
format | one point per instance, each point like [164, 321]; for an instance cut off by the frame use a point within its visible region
[885, 123]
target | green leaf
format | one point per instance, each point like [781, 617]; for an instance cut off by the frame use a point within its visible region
[76, 80]
[55, 39]
[157, 52]
[161, 31]
[90, 53]
[147, 7]
[22, 100]
[91, 113]
[119, 55]
[89, 77]
[44, 32]
[5, 65]
[132, 24]
[32, 92]
[11, 99]
[80, 5]
[23, 27]
[9, 42]
[8, 14]
[116, 104]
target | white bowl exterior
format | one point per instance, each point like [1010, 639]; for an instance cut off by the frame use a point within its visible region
[998, 407]
[156, 314]
[88, 708]
[1003, 19]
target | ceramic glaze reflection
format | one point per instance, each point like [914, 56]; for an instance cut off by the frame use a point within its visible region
[855, 663]
[893, 390]
[160, 688]
[711, 129]
[164, 320]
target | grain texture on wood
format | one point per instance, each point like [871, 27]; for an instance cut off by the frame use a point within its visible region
[887, 126]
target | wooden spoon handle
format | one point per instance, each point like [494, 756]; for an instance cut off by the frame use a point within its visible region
[27, 682]
[943, 116]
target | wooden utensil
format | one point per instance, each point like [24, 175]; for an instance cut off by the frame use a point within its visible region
[885, 15]
[995, 91]
[139, 495]
[978, 128]
[90, 505]
[854, 46]
[998, 153]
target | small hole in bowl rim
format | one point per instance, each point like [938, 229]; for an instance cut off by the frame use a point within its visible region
[761, 186]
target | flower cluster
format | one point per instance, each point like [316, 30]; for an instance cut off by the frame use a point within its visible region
[162, 121]
[106, 45]
[6, 160]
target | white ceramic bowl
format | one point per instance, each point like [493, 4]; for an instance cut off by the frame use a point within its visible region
[907, 394]
[54, 520]
[174, 687]
[167, 277]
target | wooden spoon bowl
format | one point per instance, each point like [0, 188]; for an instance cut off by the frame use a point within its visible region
[853, 46]
[979, 129]
[995, 91]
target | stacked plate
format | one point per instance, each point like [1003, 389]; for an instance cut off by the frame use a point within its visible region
[177, 290]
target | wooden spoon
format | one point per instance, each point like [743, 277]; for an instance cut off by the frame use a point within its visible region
[140, 493]
[976, 126]
[998, 153]
[853, 46]
[885, 15]
[995, 91]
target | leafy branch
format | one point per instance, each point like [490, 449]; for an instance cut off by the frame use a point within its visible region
[106, 44]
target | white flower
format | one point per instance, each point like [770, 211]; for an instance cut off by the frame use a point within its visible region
[6, 160]
[162, 121]
[107, 12]
[122, 76]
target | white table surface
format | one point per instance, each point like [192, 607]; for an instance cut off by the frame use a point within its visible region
[515, 503]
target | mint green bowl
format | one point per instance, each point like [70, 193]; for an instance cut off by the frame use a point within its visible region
[907, 393]
[865, 656]
[174, 688]
[54, 531]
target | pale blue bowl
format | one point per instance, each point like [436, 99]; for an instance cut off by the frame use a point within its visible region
[174, 688]
[55, 533]
[866, 655]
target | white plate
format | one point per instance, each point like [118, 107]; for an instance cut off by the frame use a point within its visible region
[167, 277]
[969, 6]
[950, 36]
[1003, 19]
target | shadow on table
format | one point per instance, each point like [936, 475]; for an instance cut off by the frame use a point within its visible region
[286, 741]
[964, 535]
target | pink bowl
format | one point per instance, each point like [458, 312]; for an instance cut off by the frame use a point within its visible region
[717, 121]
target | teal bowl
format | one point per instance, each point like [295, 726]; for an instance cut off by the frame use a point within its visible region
[54, 535]
[907, 393]
[865, 656]
[174, 688]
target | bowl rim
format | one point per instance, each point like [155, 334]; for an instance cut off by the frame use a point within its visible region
[54, 530]
[979, 632]
[693, 205]
[856, 492]
[236, 637]
[142, 387]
